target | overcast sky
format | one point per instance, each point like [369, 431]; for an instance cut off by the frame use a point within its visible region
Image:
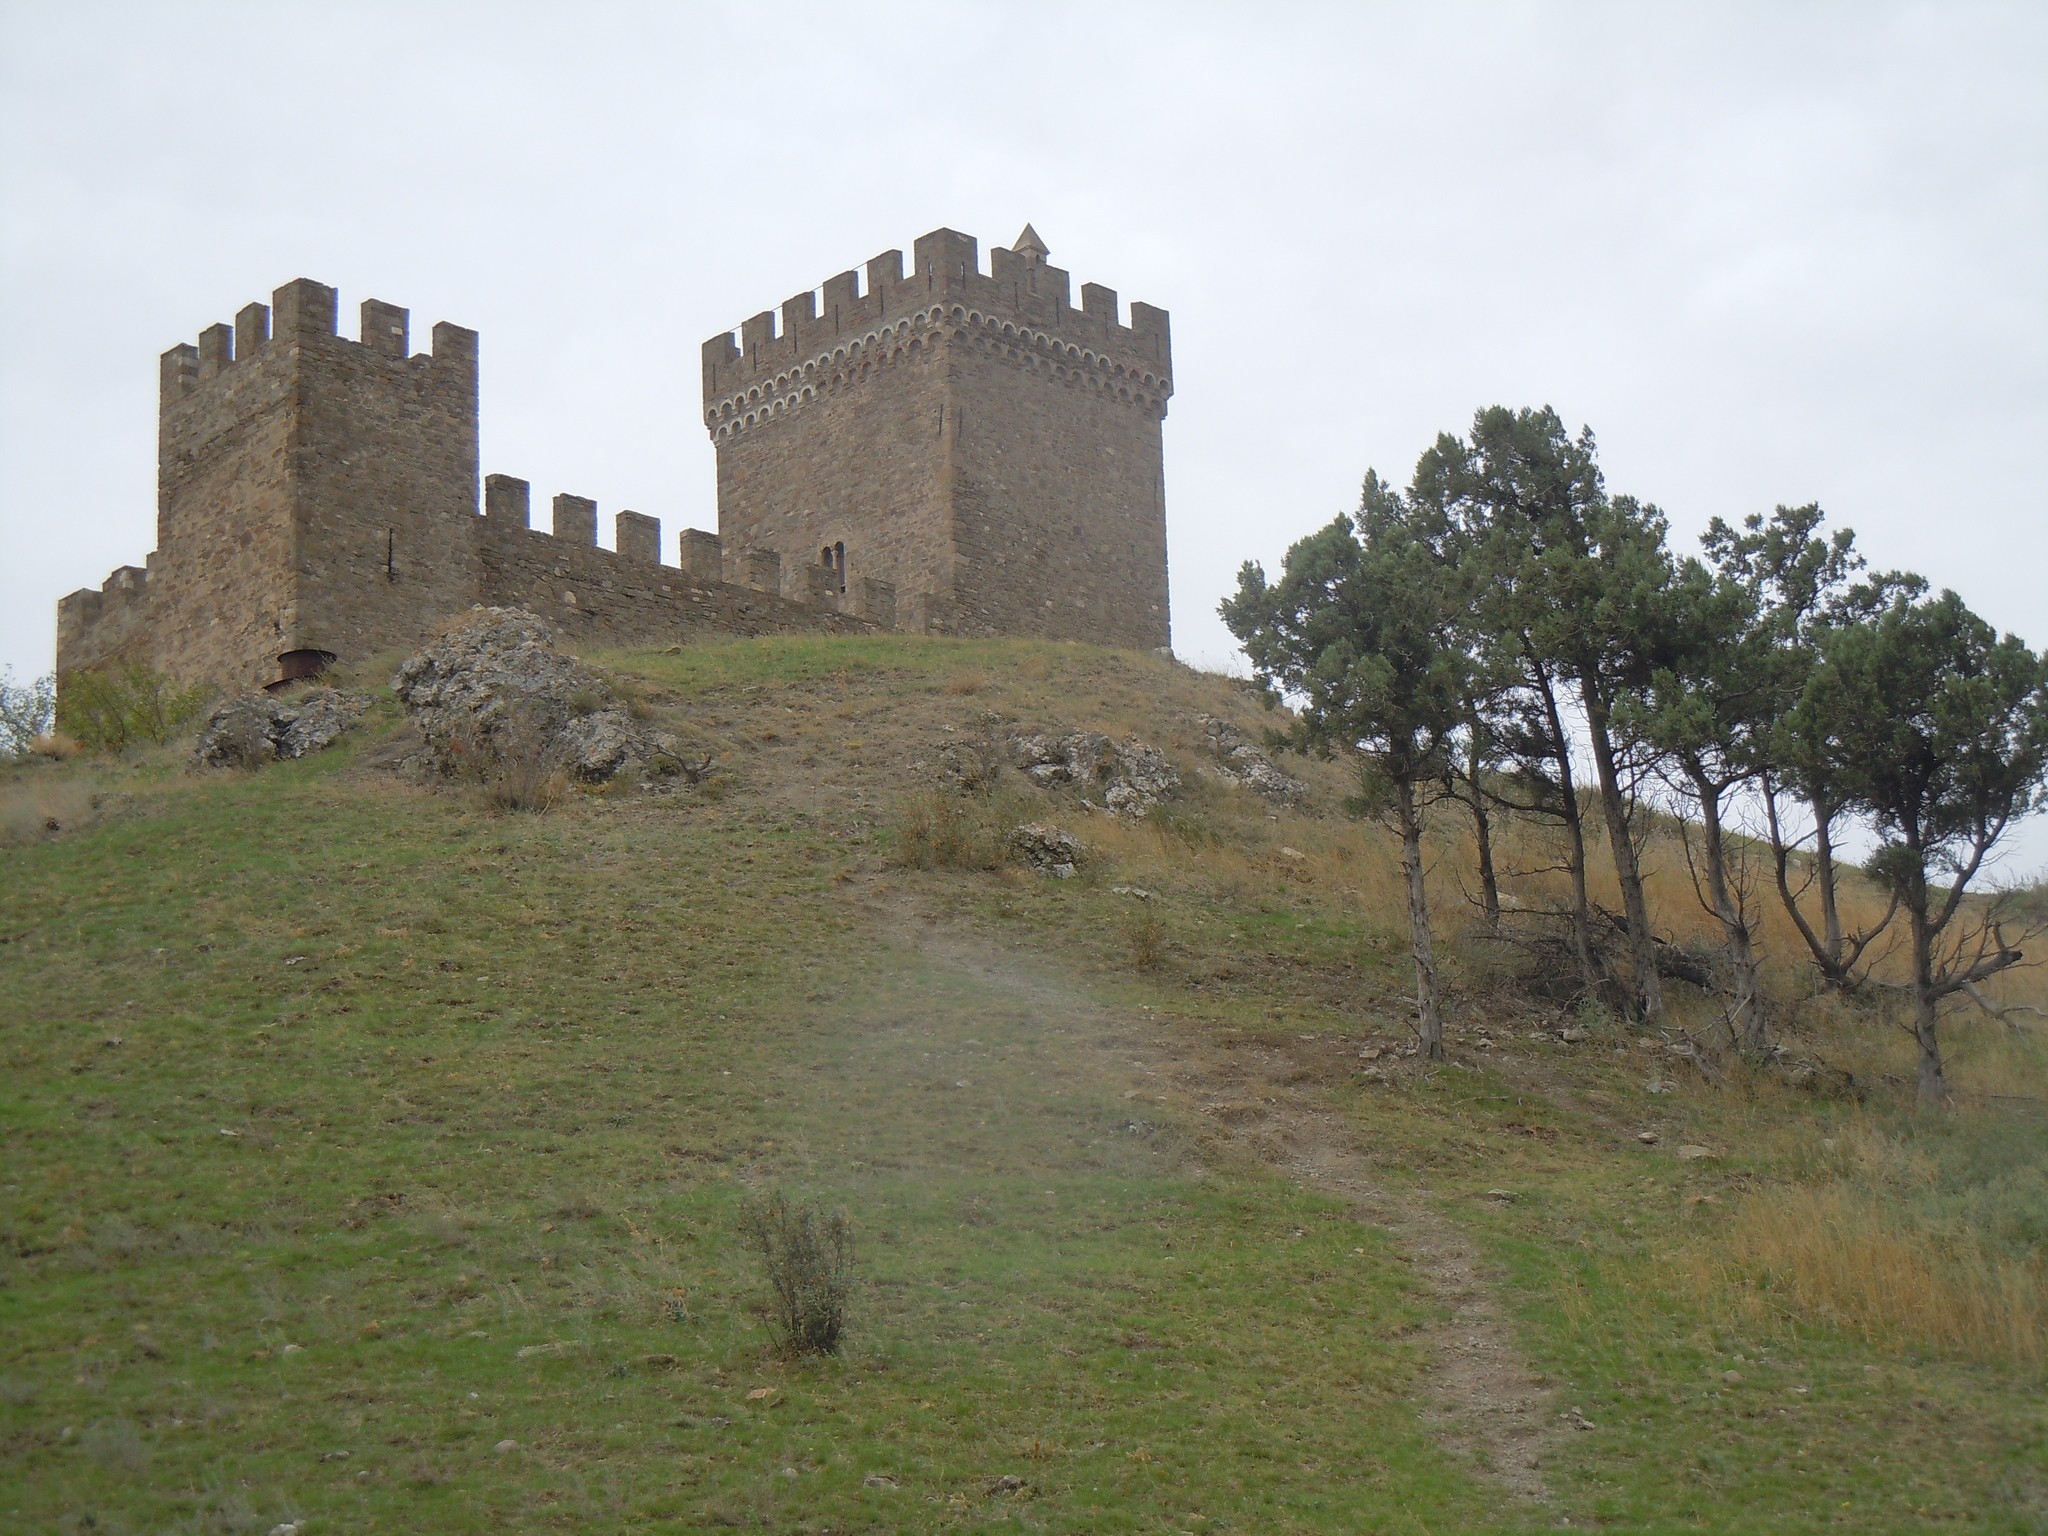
[1770, 253]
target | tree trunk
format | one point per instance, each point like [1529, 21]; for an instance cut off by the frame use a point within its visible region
[1747, 1019]
[1418, 918]
[1926, 997]
[1824, 857]
[1642, 947]
[1482, 834]
[1575, 830]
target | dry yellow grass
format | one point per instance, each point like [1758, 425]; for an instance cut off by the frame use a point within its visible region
[1841, 1255]
[33, 807]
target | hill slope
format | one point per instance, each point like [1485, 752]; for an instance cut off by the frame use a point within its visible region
[373, 1161]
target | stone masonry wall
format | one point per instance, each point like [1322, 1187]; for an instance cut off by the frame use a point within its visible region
[220, 588]
[1059, 512]
[384, 483]
[861, 466]
[604, 599]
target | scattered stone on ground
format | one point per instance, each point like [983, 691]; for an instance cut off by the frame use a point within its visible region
[1694, 1154]
[1578, 1420]
[252, 729]
[1047, 849]
[1647, 1138]
[878, 1480]
[1130, 776]
[494, 688]
[1239, 762]
[1572, 1036]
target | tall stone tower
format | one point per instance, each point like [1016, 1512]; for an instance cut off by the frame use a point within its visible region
[972, 439]
[316, 497]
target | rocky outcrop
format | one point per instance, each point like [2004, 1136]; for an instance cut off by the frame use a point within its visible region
[1240, 763]
[494, 688]
[1129, 776]
[252, 729]
[1047, 849]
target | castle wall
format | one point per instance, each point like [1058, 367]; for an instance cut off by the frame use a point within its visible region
[599, 598]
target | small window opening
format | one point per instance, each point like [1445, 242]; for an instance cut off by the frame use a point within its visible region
[391, 554]
[833, 558]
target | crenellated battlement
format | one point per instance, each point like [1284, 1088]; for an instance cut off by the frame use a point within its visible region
[300, 313]
[1019, 309]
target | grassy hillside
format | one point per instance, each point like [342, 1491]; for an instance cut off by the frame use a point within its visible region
[372, 1161]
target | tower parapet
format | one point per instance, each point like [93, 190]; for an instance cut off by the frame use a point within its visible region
[1022, 301]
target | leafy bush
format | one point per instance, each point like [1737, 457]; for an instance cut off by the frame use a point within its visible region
[809, 1262]
[25, 713]
[113, 707]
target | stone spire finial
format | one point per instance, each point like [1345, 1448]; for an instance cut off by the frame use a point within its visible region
[1028, 244]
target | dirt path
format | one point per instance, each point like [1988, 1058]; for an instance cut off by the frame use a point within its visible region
[1483, 1398]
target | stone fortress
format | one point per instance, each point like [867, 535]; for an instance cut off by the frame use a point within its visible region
[947, 452]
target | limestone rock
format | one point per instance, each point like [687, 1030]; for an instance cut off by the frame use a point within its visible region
[241, 733]
[494, 688]
[1047, 849]
[1130, 776]
[252, 729]
[1239, 762]
[319, 719]
[967, 765]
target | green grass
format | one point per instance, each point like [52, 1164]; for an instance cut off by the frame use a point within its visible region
[325, 1098]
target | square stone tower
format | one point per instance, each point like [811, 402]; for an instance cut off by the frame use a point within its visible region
[316, 497]
[972, 439]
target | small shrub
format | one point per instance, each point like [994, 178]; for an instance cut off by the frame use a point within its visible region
[516, 767]
[809, 1262]
[1184, 826]
[937, 830]
[122, 704]
[25, 713]
[1141, 932]
[967, 682]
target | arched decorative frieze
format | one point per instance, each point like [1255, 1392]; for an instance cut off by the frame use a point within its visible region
[911, 338]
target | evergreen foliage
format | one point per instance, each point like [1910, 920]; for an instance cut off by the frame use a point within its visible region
[1467, 639]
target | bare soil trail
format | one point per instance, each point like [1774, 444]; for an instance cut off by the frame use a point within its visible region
[1267, 1101]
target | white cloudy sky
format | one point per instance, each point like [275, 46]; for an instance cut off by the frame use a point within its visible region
[1772, 252]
